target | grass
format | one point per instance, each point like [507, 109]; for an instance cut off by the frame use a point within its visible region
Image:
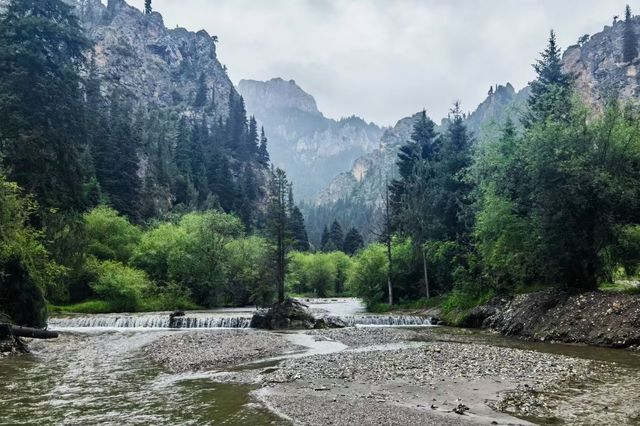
[622, 286]
[88, 307]
[105, 307]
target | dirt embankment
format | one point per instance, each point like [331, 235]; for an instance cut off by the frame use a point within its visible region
[601, 319]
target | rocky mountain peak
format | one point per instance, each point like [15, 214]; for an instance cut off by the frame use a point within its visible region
[276, 94]
[599, 68]
[311, 148]
[167, 67]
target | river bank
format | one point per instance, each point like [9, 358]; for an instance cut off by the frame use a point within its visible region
[394, 376]
[595, 318]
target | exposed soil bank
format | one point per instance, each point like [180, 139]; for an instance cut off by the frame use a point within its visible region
[601, 319]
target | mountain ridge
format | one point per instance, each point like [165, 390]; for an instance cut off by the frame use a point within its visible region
[310, 147]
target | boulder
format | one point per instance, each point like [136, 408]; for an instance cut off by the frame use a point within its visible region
[329, 322]
[287, 315]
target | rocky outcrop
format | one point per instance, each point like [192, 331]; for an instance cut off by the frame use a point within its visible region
[292, 315]
[311, 148]
[157, 65]
[599, 68]
[601, 319]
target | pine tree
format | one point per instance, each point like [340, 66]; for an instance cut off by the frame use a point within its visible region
[278, 226]
[325, 239]
[421, 150]
[336, 236]
[201, 94]
[630, 39]
[42, 127]
[122, 182]
[452, 191]
[298, 230]
[147, 7]
[551, 91]
[252, 137]
[353, 242]
[263, 153]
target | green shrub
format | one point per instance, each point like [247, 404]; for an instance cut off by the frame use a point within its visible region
[249, 277]
[319, 274]
[110, 236]
[123, 287]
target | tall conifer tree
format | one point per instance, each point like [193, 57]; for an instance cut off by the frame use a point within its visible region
[630, 39]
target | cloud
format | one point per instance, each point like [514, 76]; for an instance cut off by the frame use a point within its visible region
[384, 59]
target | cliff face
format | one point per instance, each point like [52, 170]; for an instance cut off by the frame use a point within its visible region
[599, 68]
[157, 65]
[311, 148]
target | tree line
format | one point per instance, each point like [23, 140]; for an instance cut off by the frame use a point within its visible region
[552, 201]
[73, 156]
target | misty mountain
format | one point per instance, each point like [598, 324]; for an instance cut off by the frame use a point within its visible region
[310, 147]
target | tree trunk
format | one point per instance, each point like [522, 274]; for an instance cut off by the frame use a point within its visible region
[426, 273]
[34, 333]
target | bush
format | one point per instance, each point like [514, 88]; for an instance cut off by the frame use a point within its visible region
[25, 268]
[367, 278]
[123, 287]
[110, 236]
[322, 274]
[248, 275]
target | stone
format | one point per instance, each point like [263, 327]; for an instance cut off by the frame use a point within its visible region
[287, 315]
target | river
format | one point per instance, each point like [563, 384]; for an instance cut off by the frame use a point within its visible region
[100, 375]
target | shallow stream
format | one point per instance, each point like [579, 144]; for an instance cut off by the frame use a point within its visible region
[100, 375]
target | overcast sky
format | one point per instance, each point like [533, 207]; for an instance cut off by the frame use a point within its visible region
[385, 59]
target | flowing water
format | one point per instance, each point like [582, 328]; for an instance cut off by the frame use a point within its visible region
[103, 378]
[96, 372]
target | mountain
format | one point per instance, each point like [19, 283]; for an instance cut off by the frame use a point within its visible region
[166, 67]
[356, 198]
[599, 68]
[599, 71]
[190, 135]
[311, 148]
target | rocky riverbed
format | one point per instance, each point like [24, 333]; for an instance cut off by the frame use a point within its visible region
[215, 349]
[435, 383]
[402, 376]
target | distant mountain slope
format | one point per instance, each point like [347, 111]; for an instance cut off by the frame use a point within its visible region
[311, 148]
[359, 193]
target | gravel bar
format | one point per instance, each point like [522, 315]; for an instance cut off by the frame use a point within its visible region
[215, 349]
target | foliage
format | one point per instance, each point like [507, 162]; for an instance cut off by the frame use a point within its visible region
[110, 236]
[248, 275]
[26, 271]
[367, 278]
[322, 274]
[41, 133]
[120, 285]
[630, 38]
[353, 242]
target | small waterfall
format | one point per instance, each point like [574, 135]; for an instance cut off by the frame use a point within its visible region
[151, 321]
[386, 320]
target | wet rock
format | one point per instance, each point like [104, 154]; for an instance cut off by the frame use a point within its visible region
[288, 315]
[329, 322]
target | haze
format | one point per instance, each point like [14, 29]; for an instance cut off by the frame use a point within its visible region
[381, 59]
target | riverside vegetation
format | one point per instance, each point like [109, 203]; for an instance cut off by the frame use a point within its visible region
[552, 200]
[113, 200]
